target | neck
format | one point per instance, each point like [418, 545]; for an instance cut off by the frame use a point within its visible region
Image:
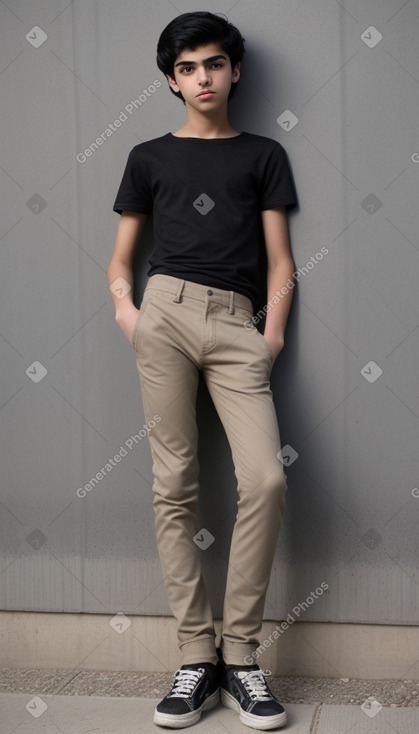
[206, 126]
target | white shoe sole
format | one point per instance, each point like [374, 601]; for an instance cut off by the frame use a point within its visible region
[263, 723]
[181, 720]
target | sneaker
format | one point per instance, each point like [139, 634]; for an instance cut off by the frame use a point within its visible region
[195, 689]
[245, 690]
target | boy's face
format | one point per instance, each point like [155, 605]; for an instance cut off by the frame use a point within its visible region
[204, 76]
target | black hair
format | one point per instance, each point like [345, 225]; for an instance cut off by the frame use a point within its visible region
[190, 30]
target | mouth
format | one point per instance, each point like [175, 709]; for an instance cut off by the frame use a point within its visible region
[207, 93]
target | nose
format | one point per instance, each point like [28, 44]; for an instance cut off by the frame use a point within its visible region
[203, 75]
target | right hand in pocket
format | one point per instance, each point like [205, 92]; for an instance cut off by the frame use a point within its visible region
[126, 320]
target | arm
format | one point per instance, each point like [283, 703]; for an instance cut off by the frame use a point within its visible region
[280, 270]
[130, 227]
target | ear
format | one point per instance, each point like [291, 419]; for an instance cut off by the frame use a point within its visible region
[236, 72]
[172, 83]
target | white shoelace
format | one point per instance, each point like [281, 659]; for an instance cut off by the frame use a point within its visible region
[185, 682]
[255, 684]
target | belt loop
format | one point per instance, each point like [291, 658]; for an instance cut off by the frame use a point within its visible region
[178, 295]
[231, 303]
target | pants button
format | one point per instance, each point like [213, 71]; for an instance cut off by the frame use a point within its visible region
[209, 293]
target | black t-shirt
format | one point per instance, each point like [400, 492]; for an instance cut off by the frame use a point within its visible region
[205, 197]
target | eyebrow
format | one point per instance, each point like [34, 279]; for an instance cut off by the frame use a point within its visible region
[206, 61]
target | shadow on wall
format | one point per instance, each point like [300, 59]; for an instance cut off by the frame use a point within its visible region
[309, 510]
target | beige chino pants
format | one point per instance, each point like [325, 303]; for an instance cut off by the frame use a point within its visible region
[183, 328]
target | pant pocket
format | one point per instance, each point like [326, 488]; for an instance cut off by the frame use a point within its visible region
[135, 333]
[267, 347]
[252, 330]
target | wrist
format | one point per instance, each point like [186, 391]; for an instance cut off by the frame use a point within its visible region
[124, 308]
[274, 337]
[275, 341]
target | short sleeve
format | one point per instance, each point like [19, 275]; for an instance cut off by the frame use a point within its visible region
[134, 191]
[278, 188]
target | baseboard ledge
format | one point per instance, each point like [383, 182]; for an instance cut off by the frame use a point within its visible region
[42, 640]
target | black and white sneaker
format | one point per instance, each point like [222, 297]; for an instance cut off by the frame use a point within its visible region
[245, 690]
[195, 689]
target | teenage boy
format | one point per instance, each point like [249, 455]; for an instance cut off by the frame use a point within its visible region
[216, 195]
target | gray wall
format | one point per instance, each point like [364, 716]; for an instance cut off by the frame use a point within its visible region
[346, 387]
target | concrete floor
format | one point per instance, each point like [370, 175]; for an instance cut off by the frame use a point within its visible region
[103, 702]
[58, 714]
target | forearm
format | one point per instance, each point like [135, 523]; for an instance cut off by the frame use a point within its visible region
[280, 293]
[120, 281]
[119, 273]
